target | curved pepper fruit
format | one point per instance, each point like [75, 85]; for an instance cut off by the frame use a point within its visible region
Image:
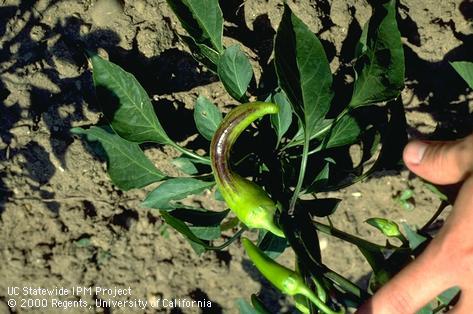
[250, 203]
[286, 280]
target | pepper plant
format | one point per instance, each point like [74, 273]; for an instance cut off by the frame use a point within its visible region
[301, 151]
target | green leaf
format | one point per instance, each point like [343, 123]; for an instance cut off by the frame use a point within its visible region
[445, 298]
[126, 103]
[202, 19]
[436, 191]
[127, 165]
[270, 244]
[303, 70]
[203, 218]
[448, 295]
[207, 117]
[281, 121]
[185, 165]
[206, 232]
[428, 309]
[320, 207]
[465, 69]
[259, 305]
[361, 47]
[318, 134]
[174, 189]
[245, 307]
[218, 196]
[387, 227]
[197, 244]
[381, 67]
[415, 239]
[346, 131]
[235, 72]
[320, 180]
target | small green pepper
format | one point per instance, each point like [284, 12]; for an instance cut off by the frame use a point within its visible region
[286, 280]
[250, 203]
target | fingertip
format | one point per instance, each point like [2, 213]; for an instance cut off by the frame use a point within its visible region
[414, 152]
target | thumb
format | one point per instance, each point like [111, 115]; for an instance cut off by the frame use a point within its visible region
[440, 162]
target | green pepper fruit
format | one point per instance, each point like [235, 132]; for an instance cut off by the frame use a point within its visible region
[250, 203]
[286, 280]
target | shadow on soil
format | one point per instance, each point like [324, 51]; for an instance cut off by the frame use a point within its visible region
[54, 109]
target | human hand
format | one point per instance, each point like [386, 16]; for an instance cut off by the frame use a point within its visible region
[448, 259]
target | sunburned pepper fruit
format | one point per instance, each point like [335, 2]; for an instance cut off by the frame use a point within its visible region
[250, 203]
[286, 280]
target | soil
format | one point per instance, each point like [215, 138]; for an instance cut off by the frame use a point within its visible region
[62, 222]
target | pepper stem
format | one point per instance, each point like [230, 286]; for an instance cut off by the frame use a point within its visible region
[189, 153]
[309, 294]
[295, 196]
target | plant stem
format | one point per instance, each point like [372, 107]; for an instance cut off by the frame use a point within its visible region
[295, 196]
[189, 153]
[229, 241]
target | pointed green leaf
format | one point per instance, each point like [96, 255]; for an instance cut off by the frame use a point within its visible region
[174, 189]
[206, 232]
[436, 191]
[320, 180]
[202, 19]
[126, 103]
[127, 165]
[414, 238]
[381, 67]
[235, 72]
[197, 244]
[465, 69]
[282, 120]
[207, 117]
[346, 131]
[303, 70]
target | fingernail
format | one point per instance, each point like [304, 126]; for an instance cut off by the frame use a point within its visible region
[414, 152]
